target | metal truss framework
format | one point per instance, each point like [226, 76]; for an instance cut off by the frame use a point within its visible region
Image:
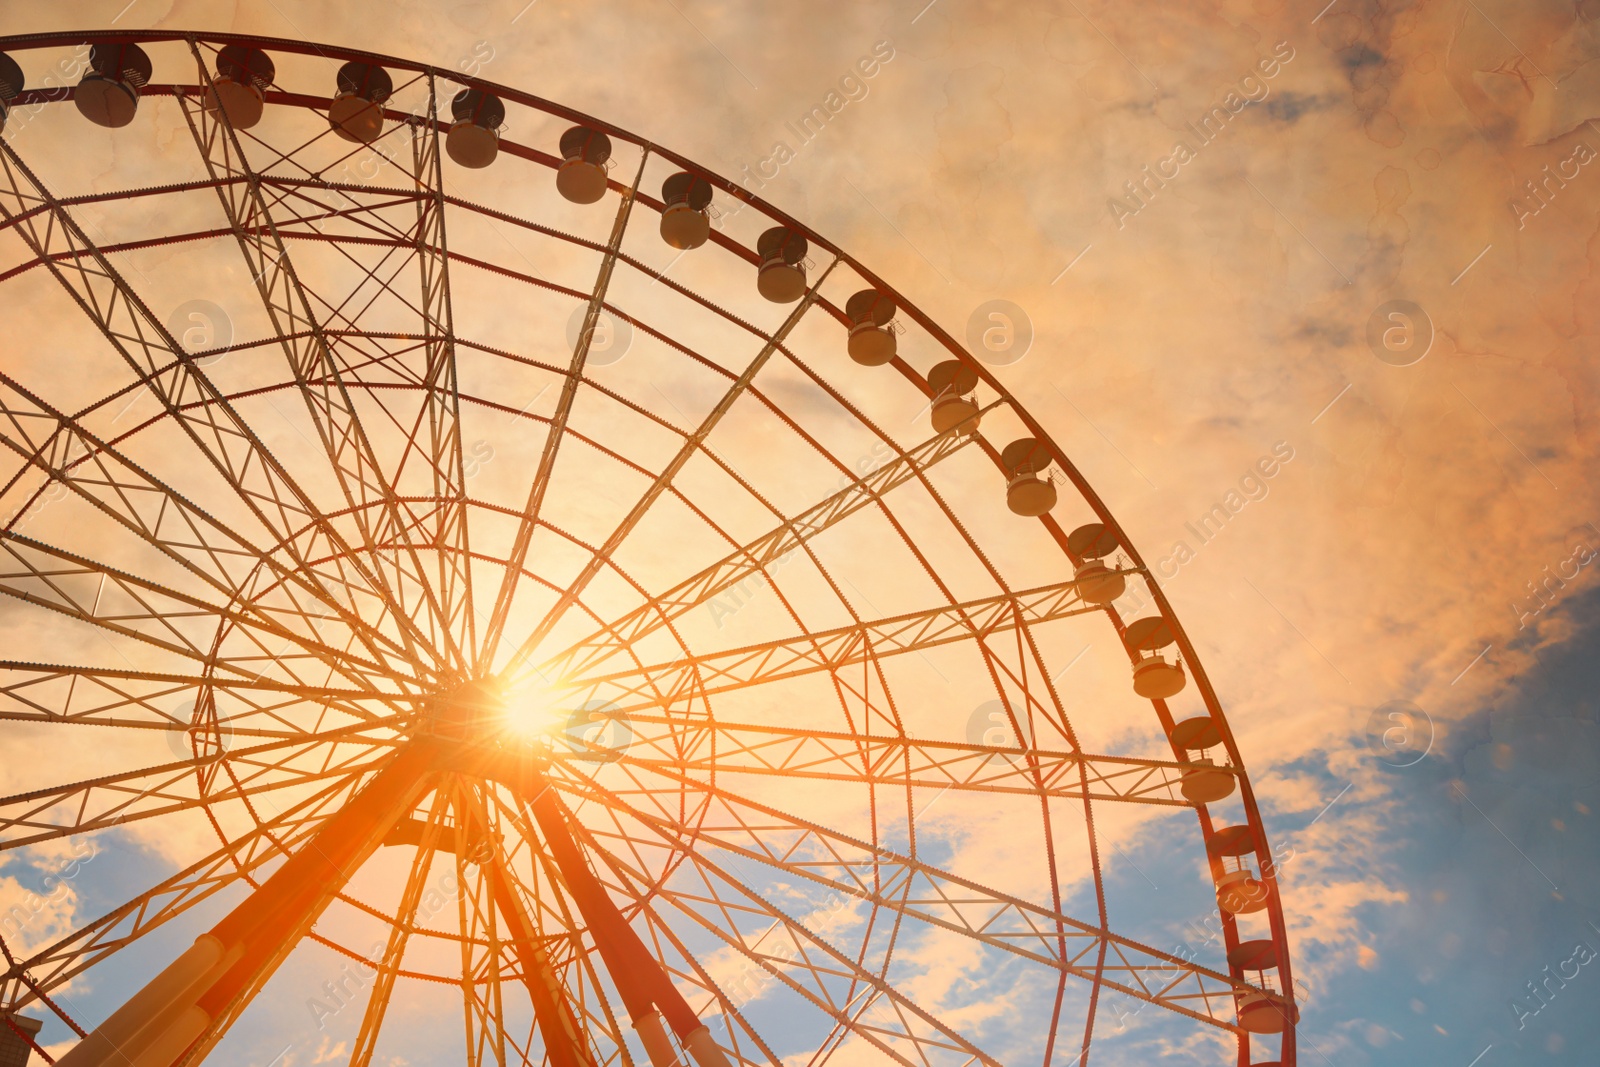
[610, 897]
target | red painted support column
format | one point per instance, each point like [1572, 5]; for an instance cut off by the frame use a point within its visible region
[563, 1036]
[638, 975]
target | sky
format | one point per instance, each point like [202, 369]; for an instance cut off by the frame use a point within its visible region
[1382, 266]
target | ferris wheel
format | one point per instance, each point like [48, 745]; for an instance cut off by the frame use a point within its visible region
[629, 619]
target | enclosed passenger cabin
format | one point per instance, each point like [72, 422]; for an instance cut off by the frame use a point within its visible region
[684, 199]
[954, 410]
[1029, 491]
[11, 84]
[1154, 676]
[239, 89]
[1098, 582]
[357, 111]
[581, 177]
[1196, 734]
[1263, 1011]
[872, 340]
[474, 137]
[1239, 891]
[108, 95]
[781, 277]
[1204, 782]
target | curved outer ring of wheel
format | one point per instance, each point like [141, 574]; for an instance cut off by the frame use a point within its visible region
[912, 311]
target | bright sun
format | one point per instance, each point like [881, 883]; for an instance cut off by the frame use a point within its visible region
[533, 711]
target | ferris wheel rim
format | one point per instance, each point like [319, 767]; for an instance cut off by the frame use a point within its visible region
[1086, 492]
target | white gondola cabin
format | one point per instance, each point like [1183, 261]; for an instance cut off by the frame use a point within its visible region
[582, 176]
[781, 278]
[954, 408]
[1029, 490]
[872, 340]
[474, 137]
[239, 89]
[684, 199]
[356, 113]
[1098, 582]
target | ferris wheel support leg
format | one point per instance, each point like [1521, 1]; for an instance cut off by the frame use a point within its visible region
[563, 1037]
[653, 1035]
[704, 1048]
[184, 1003]
[647, 991]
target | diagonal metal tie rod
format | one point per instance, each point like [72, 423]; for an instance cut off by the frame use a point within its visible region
[558, 426]
[692, 443]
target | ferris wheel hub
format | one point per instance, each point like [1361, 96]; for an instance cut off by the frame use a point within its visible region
[473, 711]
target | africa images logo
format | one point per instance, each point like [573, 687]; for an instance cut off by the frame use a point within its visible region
[600, 728]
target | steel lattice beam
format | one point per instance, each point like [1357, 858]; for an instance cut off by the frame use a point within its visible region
[751, 559]
[324, 383]
[446, 459]
[696, 676]
[66, 453]
[693, 442]
[48, 577]
[743, 829]
[699, 747]
[165, 369]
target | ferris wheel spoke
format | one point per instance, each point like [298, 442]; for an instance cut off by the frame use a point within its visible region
[53, 966]
[751, 559]
[696, 676]
[852, 995]
[150, 792]
[688, 750]
[693, 972]
[405, 917]
[78, 694]
[163, 518]
[124, 604]
[693, 442]
[747, 830]
[446, 461]
[215, 428]
[518, 556]
[36, 574]
[322, 384]
[564, 1036]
